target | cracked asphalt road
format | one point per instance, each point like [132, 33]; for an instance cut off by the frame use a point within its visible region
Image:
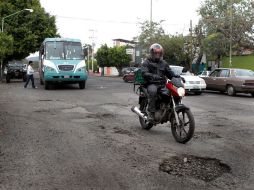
[67, 138]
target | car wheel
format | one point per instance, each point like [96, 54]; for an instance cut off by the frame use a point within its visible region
[46, 85]
[252, 94]
[8, 78]
[197, 93]
[82, 85]
[125, 79]
[230, 90]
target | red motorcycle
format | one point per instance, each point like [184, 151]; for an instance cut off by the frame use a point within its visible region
[169, 108]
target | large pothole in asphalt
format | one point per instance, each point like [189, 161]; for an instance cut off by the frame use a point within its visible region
[205, 135]
[100, 115]
[204, 168]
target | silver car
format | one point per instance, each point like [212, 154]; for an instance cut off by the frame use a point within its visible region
[192, 83]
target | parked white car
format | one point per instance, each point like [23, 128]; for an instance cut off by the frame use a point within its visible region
[192, 83]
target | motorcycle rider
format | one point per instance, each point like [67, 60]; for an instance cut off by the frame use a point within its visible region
[154, 69]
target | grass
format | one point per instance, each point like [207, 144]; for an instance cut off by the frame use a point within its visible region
[244, 62]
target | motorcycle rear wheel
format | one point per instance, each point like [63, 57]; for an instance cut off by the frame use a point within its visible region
[185, 130]
[144, 124]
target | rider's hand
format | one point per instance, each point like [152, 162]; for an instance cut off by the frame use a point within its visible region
[183, 79]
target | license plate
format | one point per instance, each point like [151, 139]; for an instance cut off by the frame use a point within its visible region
[66, 77]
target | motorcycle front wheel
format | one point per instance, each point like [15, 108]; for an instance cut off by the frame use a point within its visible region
[185, 130]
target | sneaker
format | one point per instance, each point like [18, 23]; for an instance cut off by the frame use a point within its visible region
[24, 86]
[35, 87]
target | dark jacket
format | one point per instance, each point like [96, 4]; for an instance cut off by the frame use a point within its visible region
[154, 73]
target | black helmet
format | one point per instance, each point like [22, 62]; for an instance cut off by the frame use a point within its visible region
[156, 52]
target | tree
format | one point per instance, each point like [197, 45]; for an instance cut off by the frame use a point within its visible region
[6, 44]
[113, 57]
[27, 29]
[151, 32]
[232, 18]
[175, 51]
[215, 45]
[118, 58]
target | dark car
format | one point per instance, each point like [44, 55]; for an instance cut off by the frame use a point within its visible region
[127, 70]
[129, 77]
[15, 71]
[231, 80]
[128, 74]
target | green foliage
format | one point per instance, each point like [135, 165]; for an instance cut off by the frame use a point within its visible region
[177, 48]
[214, 45]
[6, 44]
[27, 29]
[102, 56]
[112, 57]
[217, 17]
[151, 32]
[174, 52]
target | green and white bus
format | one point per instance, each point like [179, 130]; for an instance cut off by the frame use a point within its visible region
[62, 61]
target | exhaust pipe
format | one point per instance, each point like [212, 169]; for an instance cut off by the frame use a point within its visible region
[138, 112]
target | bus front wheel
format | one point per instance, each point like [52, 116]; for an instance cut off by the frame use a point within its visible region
[82, 84]
[46, 85]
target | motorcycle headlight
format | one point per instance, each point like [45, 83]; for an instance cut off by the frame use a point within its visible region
[181, 91]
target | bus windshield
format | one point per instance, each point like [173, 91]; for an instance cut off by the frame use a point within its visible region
[64, 50]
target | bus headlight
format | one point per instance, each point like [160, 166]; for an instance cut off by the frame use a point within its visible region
[181, 91]
[51, 69]
[82, 69]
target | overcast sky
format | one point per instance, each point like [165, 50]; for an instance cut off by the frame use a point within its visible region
[105, 20]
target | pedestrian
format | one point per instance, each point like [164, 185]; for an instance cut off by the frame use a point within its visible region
[30, 74]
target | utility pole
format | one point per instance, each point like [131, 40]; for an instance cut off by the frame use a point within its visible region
[230, 40]
[93, 45]
[191, 45]
[151, 13]
[88, 57]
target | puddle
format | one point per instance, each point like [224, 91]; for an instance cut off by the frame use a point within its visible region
[203, 168]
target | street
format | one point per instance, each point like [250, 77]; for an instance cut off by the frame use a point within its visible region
[67, 138]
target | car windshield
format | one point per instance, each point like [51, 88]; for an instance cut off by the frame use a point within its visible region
[243, 73]
[16, 65]
[63, 50]
[188, 73]
[177, 70]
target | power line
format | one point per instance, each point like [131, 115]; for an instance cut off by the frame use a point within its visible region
[96, 20]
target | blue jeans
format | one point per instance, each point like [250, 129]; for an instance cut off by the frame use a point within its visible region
[30, 77]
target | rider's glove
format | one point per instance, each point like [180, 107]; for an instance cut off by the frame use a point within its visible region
[183, 79]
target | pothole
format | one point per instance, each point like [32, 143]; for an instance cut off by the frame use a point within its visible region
[100, 115]
[122, 131]
[204, 168]
[206, 135]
